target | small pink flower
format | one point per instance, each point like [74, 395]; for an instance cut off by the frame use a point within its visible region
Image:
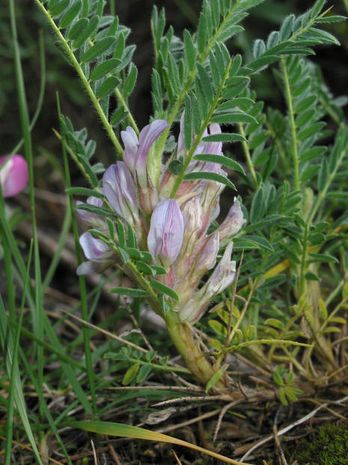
[13, 175]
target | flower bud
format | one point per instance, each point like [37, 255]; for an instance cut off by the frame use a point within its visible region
[131, 144]
[166, 233]
[193, 217]
[233, 222]
[13, 175]
[139, 158]
[137, 150]
[99, 255]
[119, 189]
[147, 138]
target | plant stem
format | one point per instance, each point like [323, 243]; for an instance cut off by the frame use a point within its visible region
[157, 366]
[196, 361]
[199, 136]
[82, 282]
[83, 78]
[123, 102]
[42, 89]
[247, 155]
[345, 2]
[189, 80]
[291, 114]
[322, 194]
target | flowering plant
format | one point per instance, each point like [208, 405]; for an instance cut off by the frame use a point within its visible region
[175, 229]
[156, 214]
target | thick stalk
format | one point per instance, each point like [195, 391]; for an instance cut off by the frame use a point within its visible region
[181, 334]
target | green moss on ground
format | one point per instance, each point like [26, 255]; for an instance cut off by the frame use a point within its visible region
[329, 446]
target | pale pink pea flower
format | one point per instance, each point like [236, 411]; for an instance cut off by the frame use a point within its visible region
[13, 175]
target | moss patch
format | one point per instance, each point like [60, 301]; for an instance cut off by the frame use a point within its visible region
[329, 446]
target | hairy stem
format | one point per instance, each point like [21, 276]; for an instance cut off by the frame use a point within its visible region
[73, 60]
[123, 102]
[179, 179]
[197, 362]
[247, 155]
[189, 80]
[293, 131]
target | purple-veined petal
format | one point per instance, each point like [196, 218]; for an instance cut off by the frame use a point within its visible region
[208, 254]
[98, 254]
[223, 275]
[233, 222]
[93, 248]
[210, 148]
[119, 189]
[213, 147]
[193, 217]
[13, 175]
[131, 144]
[147, 137]
[166, 232]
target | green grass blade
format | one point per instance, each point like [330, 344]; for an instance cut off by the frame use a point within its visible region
[133, 432]
[25, 126]
[7, 343]
[82, 280]
[11, 395]
[59, 248]
[42, 89]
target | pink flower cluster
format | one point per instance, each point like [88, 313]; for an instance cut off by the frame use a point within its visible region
[13, 175]
[174, 230]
